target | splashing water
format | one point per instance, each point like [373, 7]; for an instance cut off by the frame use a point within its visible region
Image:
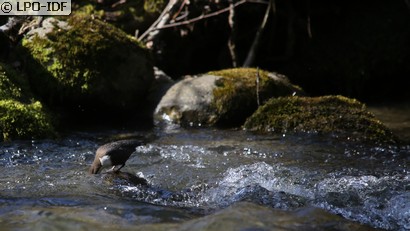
[191, 172]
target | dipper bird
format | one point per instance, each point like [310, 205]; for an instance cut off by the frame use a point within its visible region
[113, 155]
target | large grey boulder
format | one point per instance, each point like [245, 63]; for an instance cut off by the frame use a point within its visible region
[188, 102]
[221, 98]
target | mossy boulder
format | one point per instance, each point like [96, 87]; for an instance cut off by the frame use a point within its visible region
[24, 121]
[337, 115]
[237, 93]
[21, 117]
[86, 63]
[223, 98]
[13, 85]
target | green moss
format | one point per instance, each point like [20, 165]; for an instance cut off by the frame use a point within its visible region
[24, 121]
[88, 62]
[327, 114]
[235, 97]
[13, 85]
[89, 9]
[21, 117]
[126, 15]
[154, 5]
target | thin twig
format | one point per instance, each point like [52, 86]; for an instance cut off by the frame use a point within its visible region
[308, 25]
[180, 9]
[154, 26]
[201, 17]
[257, 86]
[252, 51]
[231, 40]
[118, 3]
[160, 19]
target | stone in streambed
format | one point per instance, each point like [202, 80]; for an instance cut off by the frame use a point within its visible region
[222, 98]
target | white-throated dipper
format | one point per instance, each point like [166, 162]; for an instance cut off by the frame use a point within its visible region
[113, 155]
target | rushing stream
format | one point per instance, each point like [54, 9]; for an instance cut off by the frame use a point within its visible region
[194, 173]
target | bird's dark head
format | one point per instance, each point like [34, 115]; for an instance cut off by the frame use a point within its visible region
[102, 160]
[95, 168]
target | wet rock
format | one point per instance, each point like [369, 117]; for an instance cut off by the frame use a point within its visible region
[222, 98]
[86, 64]
[335, 115]
[188, 102]
[124, 178]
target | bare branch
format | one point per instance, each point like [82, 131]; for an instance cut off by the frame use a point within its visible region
[160, 23]
[161, 20]
[252, 51]
[308, 25]
[257, 86]
[231, 41]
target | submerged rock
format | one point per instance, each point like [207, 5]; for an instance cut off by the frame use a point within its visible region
[335, 115]
[249, 216]
[223, 98]
[124, 178]
[86, 63]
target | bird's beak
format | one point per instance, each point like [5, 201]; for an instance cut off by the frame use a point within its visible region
[94, 169]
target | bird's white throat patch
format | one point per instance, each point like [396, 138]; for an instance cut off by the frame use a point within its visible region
[106, 161]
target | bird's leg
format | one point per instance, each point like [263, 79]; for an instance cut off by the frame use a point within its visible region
[111, 169]
[117, 170]
[114, 168]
